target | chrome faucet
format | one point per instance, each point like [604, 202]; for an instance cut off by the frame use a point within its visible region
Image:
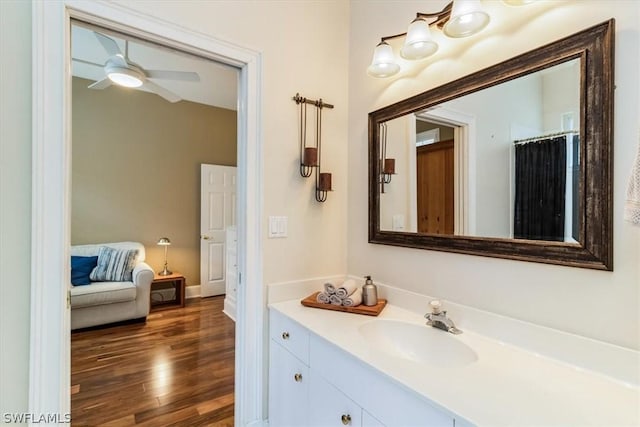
[438, 318]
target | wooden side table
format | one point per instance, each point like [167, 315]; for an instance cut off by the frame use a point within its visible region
[175, 282]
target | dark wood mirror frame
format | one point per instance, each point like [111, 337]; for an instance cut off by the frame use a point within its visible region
[595, 49]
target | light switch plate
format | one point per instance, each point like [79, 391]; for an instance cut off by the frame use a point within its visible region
[278, 227]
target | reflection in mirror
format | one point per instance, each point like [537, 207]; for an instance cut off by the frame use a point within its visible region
[523, 182]
[513, 161]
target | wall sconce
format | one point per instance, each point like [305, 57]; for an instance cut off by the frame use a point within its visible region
[460, 18]
[310, 156]
[387, 165]
[164, 241]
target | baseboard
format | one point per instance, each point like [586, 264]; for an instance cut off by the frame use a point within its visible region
[192, 292]
[230, 308]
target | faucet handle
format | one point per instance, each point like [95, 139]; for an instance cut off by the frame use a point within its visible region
[435, 306]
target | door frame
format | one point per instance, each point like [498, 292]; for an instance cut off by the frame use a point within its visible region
[49, 360]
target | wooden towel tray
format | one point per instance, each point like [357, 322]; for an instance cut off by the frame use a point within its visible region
[373, 310]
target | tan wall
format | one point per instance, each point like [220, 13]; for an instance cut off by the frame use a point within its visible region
[136, 170]
[446, 132]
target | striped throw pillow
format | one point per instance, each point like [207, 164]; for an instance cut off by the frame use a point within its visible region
[114, 265]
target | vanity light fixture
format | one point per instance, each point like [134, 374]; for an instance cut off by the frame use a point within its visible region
[387, 165]
[310, 156]
[460, 18]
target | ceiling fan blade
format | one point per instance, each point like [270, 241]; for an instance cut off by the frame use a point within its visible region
[165, 93]
[108, 44]
[186, 76]
[82, 61]
[100, 84]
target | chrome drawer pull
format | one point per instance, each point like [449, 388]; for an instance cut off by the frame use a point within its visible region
[297, 377]
[346, 419]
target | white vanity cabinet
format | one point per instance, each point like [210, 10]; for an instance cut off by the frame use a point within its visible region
[314, 383]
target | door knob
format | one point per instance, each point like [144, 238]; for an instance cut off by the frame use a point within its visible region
[297, 377]
[203, 237]
[346, 419]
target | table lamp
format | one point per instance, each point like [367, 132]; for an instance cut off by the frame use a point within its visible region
[164, 241]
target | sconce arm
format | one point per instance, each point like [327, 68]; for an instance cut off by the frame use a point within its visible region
[441, 18]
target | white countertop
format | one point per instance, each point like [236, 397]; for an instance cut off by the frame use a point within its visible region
[505, 386]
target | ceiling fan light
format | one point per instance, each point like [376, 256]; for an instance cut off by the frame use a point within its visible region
[124, 77]
[467, 18]
[383, 63]
[418, 43]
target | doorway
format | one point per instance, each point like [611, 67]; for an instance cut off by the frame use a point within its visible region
[136, 156]
[49, 361]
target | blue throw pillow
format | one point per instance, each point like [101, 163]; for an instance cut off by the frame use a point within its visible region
[81, 267]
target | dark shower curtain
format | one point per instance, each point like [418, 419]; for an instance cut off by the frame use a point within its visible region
[540, 189]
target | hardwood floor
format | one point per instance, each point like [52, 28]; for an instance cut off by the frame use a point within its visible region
[176, 369]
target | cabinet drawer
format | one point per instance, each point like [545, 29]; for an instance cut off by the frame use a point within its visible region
[290, 335]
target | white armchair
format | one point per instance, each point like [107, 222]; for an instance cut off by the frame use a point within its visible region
[106, 302]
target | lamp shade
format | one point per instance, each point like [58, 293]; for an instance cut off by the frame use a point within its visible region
[467, 18]
[418, 43]
[383, 63]
[164, 241]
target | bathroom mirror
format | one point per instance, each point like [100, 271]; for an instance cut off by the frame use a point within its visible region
[513, 161]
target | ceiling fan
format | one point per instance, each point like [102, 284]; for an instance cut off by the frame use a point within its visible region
[120, 70]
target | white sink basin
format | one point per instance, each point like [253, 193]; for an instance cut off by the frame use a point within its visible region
[418, 343]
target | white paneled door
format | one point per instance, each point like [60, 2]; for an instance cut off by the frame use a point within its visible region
[217, 212]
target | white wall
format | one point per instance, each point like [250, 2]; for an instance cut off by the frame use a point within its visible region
[395, 200]
[15, 203]
[304, 50]
[602, 305]
[497, 110]
[561, 93]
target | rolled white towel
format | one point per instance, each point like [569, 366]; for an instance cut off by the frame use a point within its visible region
[347, 288]
[329, 288]
[335, 300]
[323, 297]
[354, 299]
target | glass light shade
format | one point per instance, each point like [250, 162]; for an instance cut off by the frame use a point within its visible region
[124, 77]
[518, 2]
[467, 18]
[418, 43]
[383, 63]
